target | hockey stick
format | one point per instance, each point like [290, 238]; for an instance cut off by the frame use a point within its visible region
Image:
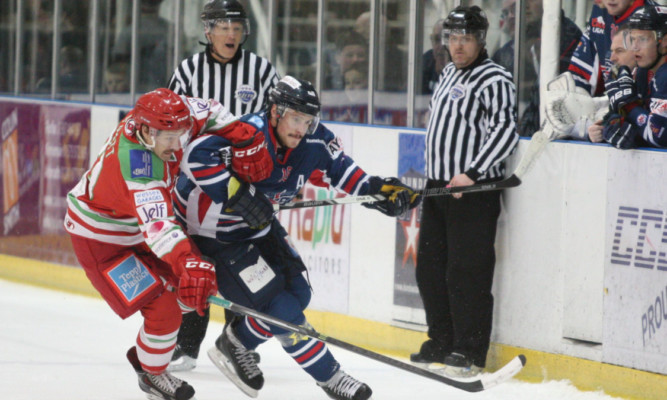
[484, 382]
[535, 146]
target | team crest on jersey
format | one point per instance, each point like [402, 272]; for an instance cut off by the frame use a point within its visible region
[598, 25]
[246, 94]
[286, 172]
[130, 127]
[141, 164]
[457, 92]
[641, 120]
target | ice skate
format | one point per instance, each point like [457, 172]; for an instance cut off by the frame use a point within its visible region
[236, 362]
[342, 386]
[459, 366]
[160, 387]
[181, 361]
[430, 352]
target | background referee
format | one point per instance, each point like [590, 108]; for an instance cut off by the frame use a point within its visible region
[240, 80]
[471, 130]
[224, 71]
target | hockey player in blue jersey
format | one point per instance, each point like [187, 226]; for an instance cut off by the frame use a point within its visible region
[590, 64]
[233, 223]
[638, 114]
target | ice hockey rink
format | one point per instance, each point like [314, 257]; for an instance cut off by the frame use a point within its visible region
[60, 346]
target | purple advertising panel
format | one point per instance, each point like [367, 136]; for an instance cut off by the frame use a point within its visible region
[19, 127]
[45, 151]
[65, 133]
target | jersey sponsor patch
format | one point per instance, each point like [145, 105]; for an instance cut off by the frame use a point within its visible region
[131, 278]
[166, 243]
[141, 164]
[457, 92]
[152, 211]
[335, 147]
[246, 94]
[257, 276]
[147, 196]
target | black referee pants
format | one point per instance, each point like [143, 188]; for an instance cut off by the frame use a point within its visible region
[455, 263]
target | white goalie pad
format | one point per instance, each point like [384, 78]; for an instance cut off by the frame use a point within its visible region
[566, 104]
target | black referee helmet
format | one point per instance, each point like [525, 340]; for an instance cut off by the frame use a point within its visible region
[465, 20]
[225, 10]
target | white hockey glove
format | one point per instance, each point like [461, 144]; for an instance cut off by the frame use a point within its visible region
[570, 109]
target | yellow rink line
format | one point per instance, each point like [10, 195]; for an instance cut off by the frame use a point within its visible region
[584, 374]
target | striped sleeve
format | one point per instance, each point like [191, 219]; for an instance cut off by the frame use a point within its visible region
[498, 96]
[203, 164]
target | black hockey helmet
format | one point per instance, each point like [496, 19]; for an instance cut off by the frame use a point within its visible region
[465, 20]
[224, 10]
[649, 18]
[298, 95]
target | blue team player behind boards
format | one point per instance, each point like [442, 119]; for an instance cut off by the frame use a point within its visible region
[231, 221]
[638, 115]
[590, 63]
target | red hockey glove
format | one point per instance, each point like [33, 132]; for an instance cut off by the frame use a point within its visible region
[196, 283]
[251, 160]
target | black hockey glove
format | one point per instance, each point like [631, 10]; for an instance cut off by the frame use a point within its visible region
[622, 91]
[253, 206]
[400, 197]
[618, 132]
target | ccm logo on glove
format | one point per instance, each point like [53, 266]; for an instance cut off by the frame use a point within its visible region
[199, 265]
[248, 152]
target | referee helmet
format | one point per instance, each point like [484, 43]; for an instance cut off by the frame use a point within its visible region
[465, 20]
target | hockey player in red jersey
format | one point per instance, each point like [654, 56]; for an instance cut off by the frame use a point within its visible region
[124, 233]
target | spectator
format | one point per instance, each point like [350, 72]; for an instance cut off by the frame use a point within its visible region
[351, 48]
[117, 78]
[154, 46]
[392, 60]
[504, 56]
[434, 60]
[638, 115]
[456, 256]
[590, 61]
[72, 76]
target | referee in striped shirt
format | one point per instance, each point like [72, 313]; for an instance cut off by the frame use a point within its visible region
[224, 71]
[471, 130]
[240, 80]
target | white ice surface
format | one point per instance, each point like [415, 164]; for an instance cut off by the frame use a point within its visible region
[56, 345]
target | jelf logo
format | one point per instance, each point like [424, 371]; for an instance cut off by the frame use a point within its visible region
[640, 238]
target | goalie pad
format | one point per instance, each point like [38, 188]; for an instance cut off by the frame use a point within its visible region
[569, 106]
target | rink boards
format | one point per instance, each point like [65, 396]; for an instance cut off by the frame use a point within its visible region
[581, 277]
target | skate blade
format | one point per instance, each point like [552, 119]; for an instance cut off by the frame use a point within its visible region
[184, 365]
[154, 397]
[227, 369]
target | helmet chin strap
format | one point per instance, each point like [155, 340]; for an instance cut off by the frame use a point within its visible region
[140, 138]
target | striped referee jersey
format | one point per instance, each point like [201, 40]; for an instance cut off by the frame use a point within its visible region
[241, 84]
[472, 127]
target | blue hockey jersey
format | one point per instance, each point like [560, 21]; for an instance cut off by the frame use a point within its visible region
[590, 64]
[651, 117]
[201, 191]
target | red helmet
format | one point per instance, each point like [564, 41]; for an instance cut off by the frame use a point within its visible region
[162, 109]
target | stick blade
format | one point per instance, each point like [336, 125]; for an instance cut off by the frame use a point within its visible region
[505, 373]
